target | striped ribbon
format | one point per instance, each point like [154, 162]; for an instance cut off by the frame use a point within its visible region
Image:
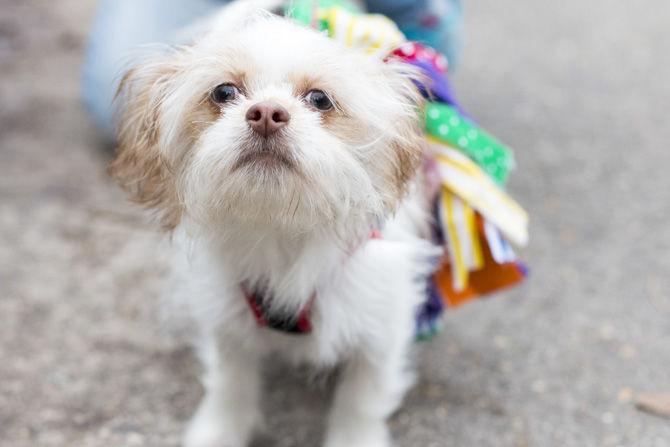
[476, 216]
[467, 180]
[374, 33]
[460, 230]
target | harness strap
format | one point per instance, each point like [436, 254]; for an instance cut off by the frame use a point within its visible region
[291, 324]
[259, 304]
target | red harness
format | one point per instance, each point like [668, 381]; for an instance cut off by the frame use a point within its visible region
[280, 322]
[291, 324]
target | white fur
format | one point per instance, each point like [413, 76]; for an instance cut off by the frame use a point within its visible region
[364, 315]
[302, 234]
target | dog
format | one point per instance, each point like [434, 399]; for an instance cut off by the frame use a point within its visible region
[286, 168]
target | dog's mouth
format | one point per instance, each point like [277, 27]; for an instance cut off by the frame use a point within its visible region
[265, 155]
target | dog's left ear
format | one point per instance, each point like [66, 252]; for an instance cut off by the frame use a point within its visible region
[406, 142]
[141, 166]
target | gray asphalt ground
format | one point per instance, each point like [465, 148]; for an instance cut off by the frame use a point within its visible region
[580, 89]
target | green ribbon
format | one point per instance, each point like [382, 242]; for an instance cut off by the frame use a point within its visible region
[301, 10]
[444, 123]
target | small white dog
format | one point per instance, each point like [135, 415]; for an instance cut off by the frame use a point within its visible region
[286, 167]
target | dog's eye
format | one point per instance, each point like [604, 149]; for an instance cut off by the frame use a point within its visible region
[224, 93]
[319, 100]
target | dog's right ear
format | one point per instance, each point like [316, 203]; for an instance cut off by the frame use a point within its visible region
[140, 165]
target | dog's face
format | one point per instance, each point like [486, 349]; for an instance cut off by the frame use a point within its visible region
[268, 123]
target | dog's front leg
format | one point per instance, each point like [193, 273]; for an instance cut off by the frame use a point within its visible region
[371, 388]
[229, 410]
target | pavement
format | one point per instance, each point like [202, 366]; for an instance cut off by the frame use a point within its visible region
[579, 89]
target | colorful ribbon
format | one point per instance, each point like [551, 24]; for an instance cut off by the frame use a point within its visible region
[446, 124]
[476, 218]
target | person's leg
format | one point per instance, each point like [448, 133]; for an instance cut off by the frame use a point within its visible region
[434, 22]
[121, 26]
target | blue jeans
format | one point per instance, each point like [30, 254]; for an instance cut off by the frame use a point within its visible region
[122, 25]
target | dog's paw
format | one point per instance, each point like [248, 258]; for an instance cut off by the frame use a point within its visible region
[370, 435]
[206, 431]
[205, 435]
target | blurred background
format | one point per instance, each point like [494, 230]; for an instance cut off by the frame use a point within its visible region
[580, 89]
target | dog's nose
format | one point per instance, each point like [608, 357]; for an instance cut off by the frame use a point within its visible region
[267, 117]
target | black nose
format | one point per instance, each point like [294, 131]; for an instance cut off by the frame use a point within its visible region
[267, 117]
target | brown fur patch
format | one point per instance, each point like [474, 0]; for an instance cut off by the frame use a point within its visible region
[139, 165]
[344, 127]
[199, 117]
[206, 111]
[239, 78]
[408, 153]
[407, 160]
[399, 165]
[302, 84]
